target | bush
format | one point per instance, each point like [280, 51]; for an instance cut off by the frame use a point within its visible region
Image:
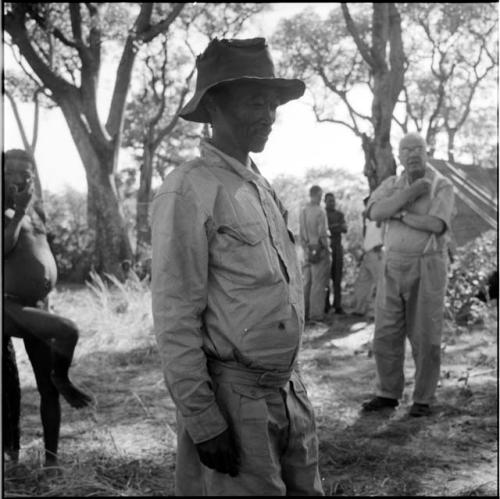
[70, 238]
[467, 276]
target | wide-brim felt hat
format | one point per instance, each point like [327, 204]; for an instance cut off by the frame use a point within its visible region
[231, 60]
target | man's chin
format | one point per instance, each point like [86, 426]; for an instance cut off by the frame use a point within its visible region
[258, 145]
[416, 171]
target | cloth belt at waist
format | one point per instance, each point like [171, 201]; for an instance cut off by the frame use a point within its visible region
[237, 373]
[404, 254]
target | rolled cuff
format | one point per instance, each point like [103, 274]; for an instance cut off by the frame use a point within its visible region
[205, 425]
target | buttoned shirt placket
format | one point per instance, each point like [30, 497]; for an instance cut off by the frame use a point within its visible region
[252, 175]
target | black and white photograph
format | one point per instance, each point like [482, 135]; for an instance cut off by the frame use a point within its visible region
[250, 249]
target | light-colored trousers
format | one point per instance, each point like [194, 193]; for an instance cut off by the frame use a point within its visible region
[316, 279]
[368, 275]
[276, 431]
[409, 303]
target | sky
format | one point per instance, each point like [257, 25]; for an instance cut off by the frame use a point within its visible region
[296, 143]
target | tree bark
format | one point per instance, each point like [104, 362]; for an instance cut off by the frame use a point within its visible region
[105, 216]
[143, 202]
[451, 144]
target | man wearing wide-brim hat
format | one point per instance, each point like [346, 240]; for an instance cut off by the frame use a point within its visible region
[227, 293]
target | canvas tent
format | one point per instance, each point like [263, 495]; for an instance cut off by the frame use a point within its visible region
[476, 198]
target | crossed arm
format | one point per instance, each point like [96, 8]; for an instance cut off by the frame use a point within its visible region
[392, 206]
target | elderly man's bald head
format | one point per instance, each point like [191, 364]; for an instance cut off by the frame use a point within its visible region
[412, 137]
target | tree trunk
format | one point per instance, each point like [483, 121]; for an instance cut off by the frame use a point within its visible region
[451, 144]
[143, 203]
[430, 140]
[388, 77]
[105, 216]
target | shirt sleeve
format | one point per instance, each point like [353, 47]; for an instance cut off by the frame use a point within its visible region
[442, 205]
[386, 189]
[179, 297]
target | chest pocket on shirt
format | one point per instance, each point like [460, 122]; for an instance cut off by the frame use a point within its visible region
[239, 252]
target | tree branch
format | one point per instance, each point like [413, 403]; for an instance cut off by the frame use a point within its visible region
[146, 35]
[362, 46]
[14, 25]
[321, 119]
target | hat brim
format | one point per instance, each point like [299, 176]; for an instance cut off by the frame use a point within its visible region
[289, 89]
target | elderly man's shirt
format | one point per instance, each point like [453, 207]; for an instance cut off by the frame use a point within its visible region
[438, 203]
[225, 280]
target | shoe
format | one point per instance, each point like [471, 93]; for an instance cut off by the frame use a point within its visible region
[379, 403]
[340, 311]
[419, 410]
[358, 314]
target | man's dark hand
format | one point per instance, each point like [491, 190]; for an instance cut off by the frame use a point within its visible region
[22, 198]
[221, 453]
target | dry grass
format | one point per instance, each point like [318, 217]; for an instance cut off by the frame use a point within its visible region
[125, 445]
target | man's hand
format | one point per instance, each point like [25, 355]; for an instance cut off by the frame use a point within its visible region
[418, 188]
[220, 453]
[22, 199]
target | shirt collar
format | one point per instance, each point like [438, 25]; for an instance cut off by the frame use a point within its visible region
[223, 160]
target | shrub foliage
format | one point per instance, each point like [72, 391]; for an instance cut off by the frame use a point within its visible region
[468, 274]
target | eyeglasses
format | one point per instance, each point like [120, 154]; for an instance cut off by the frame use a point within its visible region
[417, 149]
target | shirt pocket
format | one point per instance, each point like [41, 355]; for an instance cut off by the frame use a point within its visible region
[251, 419]
[239, 252]
[272, 345]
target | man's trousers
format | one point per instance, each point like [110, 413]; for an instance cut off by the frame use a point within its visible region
[316, 276]
[276, 432]
[409, 303]
[336, 271]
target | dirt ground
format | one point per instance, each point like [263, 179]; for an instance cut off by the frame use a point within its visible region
[126, 444]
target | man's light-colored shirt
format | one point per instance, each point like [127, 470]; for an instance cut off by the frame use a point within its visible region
[226, 282]
[313, 225]
[438, 202]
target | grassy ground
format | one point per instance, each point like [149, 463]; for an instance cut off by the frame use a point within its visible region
[125, 446]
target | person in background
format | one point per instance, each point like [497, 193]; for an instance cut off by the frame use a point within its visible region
[227, 293]
[314, 240]
[337, 227]
[416, 207]
[371, 263]
[29, 275]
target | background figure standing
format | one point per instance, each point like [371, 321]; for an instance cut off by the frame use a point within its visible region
[417, 207]
[314, 237]
[371, 262]
[337, 226]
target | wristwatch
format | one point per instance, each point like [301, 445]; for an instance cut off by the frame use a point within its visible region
[399, 216]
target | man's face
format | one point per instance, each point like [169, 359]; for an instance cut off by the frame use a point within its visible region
[330, 203]
[413, 156]
[247, 115]
[18, 174]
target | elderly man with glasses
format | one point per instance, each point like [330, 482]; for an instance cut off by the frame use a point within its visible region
[416, 207]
